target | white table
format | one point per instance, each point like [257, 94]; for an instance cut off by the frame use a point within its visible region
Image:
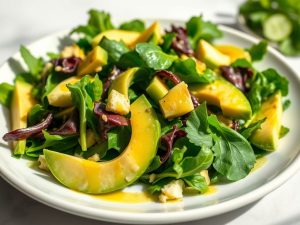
[22, 22]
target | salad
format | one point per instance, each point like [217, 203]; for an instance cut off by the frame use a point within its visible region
[276, 20]
[130, 103]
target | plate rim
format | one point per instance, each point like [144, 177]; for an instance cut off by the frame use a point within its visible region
[166, 217]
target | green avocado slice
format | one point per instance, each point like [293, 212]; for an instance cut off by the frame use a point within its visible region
[225, 95]
[103, 177]
[268, 136]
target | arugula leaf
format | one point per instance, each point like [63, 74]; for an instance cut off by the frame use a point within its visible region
[187, 71]
[6, 93]
[283, 131]
[196, 182]
[248, 131]
[84, 102]
[197, 127]
[177, 157]
[198, 29]
[133, 25]
[115, 49]
[54, 142]
[100, 20]
[94, 89]
[118, 138]
[265, 84]
[257, 51]
[154, 57]
[35, 65]
[189, 164]
[234, 156]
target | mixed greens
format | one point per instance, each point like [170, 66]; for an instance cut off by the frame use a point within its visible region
[275, 20]
[133, 103]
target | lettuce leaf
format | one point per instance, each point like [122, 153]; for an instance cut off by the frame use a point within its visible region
[6, 93]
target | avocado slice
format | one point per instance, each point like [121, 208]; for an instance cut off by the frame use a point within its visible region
[93, 61]
[177, 101]
[60, 96]
[153, 34]
[128, 37]
[97, 178]
[268, 136]
[22, 102]
[234, 52]
[157, 89]
[211, 56]
[123, 81]
[225, 95]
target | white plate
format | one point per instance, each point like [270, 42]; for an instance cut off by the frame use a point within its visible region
[279, 167]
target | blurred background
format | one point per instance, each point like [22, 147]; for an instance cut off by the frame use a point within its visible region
[24, 21]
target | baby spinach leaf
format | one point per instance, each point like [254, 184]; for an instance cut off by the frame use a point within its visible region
[130, 59]
[197, 127]
[133, 25]
[234, 156]
[187, 71]
[159, 185]
[198, 29]
[35, 65]
[115, 49]
[258, 51]
[155, 164]
[154, 57]
[100, 20]
[6, 93]
[167, 42]
[196, 182]
[248, 131]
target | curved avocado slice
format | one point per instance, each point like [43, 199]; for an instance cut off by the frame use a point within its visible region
[128, 37]
[96, 178]
[123, 81]
[268, 136]
[22, 102]
[60, 96]
[223, 94]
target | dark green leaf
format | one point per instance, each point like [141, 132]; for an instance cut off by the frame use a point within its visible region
[167, 42]
[130, 59]
[197, 182]
[35, 65]
[244, 63]
[247, 132]
[234, 156]
[37, 113]
[6, 93]
[155, 164]
[118, 138]
[115, 49]
[100, 20]
[197, 127]
[187, 71]
[159, 185]
[198, 29]
[154, 57]
[134, 25]
[286, 104]
[258, 51]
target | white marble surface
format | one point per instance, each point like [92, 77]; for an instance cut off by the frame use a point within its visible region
[23, 21]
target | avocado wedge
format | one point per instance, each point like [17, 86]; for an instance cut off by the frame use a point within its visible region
[225, 95]
[268, 136]
[96, 178]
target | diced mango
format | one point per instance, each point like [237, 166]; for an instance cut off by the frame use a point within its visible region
[128, 37]
[234, 52]
[117, 103]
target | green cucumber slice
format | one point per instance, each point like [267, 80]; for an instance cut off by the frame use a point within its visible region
[277, 27]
